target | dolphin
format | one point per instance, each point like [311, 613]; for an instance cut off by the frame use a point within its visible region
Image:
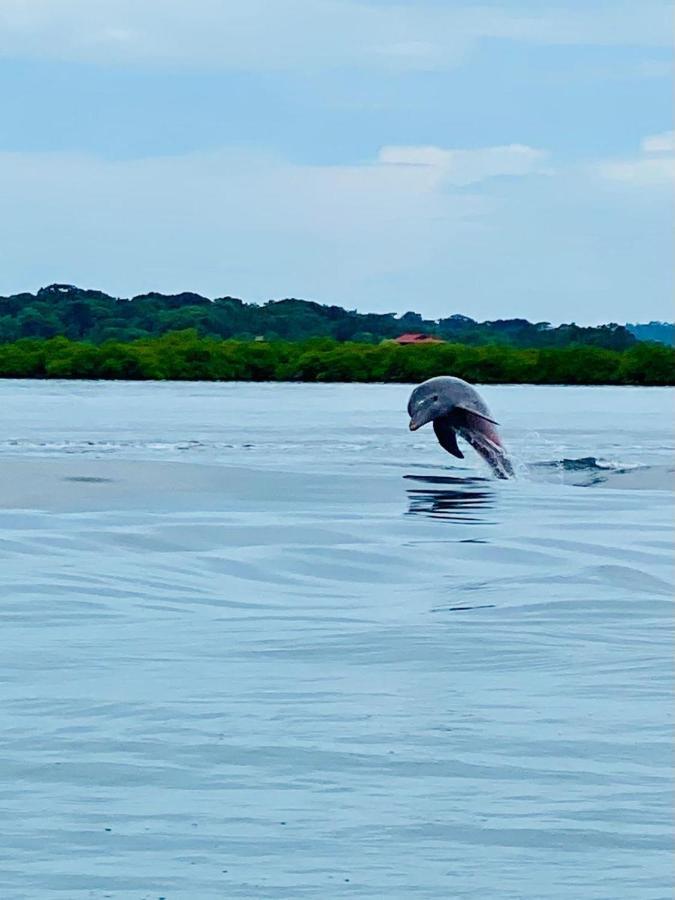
[456, 408]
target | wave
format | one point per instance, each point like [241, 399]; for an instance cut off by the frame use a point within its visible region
[584, 464]
[591, 471]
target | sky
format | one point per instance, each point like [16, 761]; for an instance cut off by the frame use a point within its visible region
[496, 159]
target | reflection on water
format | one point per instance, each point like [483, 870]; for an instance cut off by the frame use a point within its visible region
[462, 499]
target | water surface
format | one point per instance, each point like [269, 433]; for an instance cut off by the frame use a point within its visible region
[260, 641]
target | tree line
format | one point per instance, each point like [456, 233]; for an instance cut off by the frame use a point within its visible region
[69, 311]
[186, 355]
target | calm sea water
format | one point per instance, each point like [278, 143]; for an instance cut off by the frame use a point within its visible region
[259, 641]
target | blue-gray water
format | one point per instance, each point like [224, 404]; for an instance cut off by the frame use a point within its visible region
[259, 641]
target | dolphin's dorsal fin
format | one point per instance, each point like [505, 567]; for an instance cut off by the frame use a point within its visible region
[447, 437]
[475, 412]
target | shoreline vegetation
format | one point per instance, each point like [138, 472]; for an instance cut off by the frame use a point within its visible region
[187, 356]
[64, 331]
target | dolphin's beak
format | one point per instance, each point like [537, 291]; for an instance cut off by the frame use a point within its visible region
[418, 418]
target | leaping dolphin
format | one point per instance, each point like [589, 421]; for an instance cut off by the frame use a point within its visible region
[456, 408]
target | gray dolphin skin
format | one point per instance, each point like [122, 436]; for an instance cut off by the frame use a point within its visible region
[456, 408]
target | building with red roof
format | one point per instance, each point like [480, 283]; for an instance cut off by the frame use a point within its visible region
[406, 339]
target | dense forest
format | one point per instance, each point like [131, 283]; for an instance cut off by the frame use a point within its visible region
[186, 355]
[68, 311]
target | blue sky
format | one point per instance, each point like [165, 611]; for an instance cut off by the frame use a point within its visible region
[495, 159]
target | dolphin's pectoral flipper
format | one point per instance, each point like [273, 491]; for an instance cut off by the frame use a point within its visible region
[447, 437]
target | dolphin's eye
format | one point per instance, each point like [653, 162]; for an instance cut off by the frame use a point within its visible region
[435, 397]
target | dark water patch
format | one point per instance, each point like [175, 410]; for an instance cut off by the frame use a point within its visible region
[463, 608]
[89, 479]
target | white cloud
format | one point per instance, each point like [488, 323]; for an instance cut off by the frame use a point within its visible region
[659, 143]
[462, 167]
[305, 34]
[640, 172]
[653, 168]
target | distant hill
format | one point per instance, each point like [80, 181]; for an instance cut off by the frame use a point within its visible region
[90, 315]
[663, 332]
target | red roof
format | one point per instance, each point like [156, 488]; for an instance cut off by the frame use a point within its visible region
[417, 339]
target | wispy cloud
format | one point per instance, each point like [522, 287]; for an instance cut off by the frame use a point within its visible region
[659, 143]
[654, 166]
[463, 167]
